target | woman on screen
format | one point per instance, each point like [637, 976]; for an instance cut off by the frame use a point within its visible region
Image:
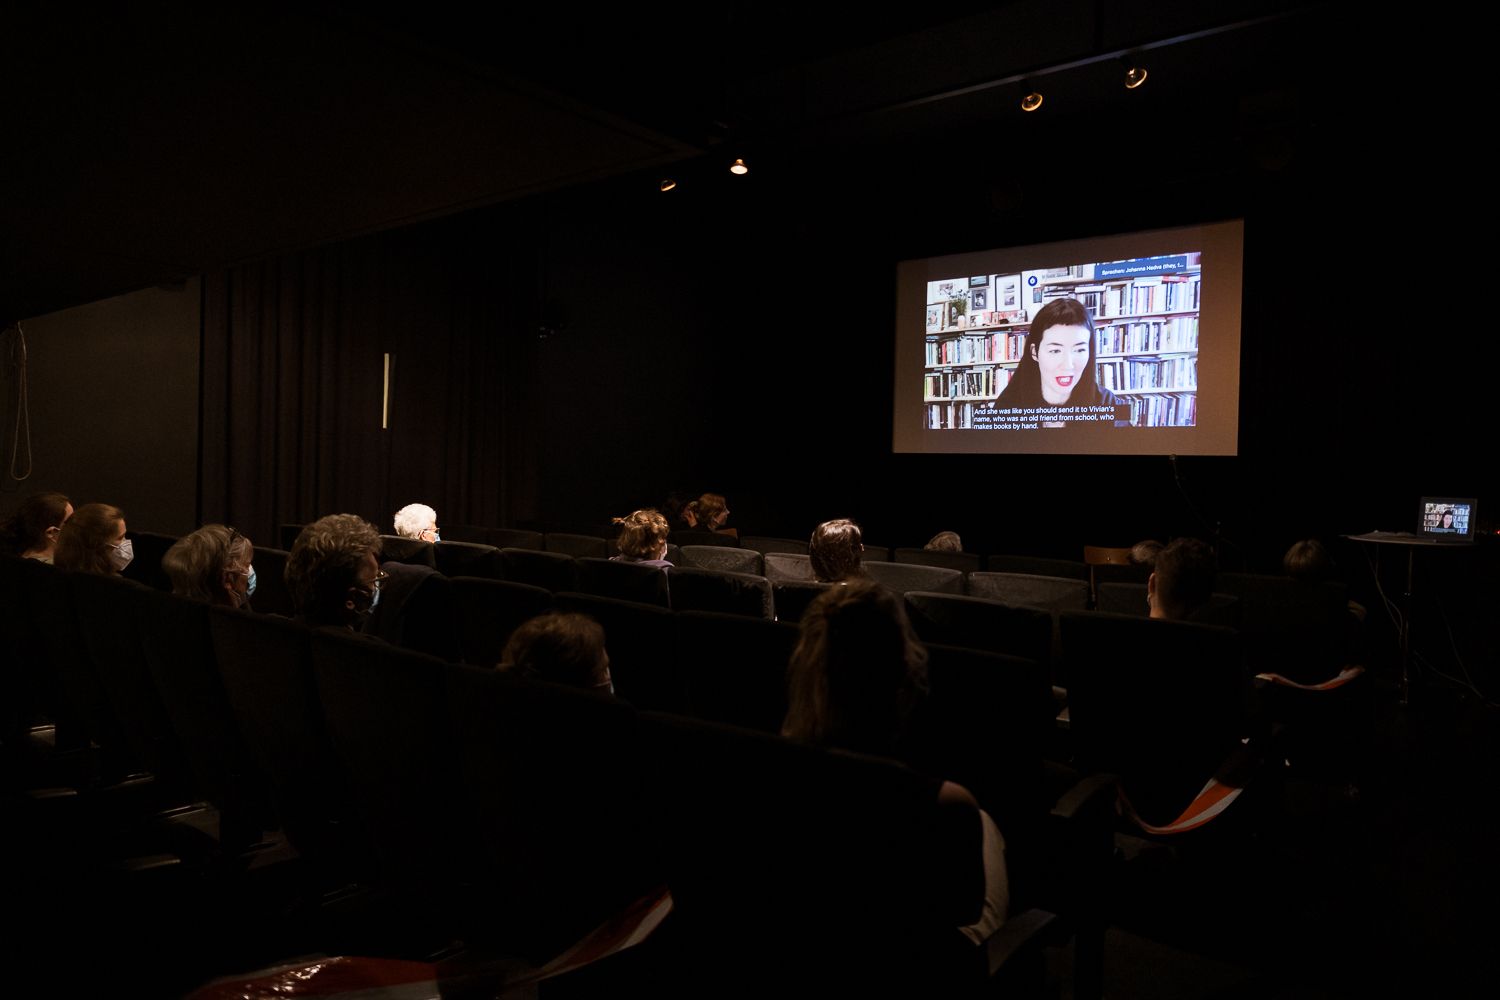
[1057, 364]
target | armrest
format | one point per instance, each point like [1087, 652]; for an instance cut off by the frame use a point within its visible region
[1023, 934]
[1095, 792]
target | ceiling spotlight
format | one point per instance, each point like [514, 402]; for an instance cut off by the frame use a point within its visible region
[1031, 101]
[738, 167]
[1134, 76]
[668, 183]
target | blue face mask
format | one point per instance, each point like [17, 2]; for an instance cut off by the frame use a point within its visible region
[250, 585]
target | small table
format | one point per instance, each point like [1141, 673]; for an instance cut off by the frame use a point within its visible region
[1412, 542]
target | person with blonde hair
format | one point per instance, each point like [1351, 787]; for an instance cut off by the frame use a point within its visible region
[212, 564]
[643, 539]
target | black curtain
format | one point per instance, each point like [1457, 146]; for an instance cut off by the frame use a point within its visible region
[294, 380]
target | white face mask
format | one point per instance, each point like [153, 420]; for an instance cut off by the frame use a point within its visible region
[120, 555]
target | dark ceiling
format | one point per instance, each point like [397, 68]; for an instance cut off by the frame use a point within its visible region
[140, 150]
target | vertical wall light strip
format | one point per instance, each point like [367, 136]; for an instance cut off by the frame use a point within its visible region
[385, 397]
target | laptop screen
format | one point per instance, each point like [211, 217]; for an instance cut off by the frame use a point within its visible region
[1447, 519]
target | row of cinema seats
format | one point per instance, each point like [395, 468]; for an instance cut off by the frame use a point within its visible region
[514, 817]
[600, 544]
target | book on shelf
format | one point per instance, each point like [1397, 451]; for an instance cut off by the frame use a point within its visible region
[1134, 374]
[1178, 333]
[977, 383]
[1173, 409]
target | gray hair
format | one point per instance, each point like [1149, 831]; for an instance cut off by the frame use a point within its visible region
[413, 519]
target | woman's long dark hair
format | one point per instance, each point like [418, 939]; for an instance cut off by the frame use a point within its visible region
[1025, 388]
[857, 671]
[26, 528]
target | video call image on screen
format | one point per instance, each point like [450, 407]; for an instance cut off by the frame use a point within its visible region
[1445, 517]
[1124, 344]
[1102, 344]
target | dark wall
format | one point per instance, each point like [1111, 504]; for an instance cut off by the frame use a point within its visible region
[113, 392]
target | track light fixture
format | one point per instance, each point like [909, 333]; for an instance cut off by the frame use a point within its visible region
[1135, 75]
[667, 184]
[738, 167]
[1031, 101]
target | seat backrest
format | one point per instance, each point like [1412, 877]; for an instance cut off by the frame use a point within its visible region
[514, 538]
[901, 577]
[28, 688]
[734, 668]
[412, 551]
[624, 581]
[1122, 598]
[1037, 566]
[728, 593]
[985, 724]
[578, 546]
[455, 558]
[266, 666]
[845, 867]
[699, 537]
[764, 544]
[1296, 628]
[640, 640]
[110, 610]
[271, 594]
[386, 714]
[553, 570]
[876, 553]
[1162, 704]
[720, 557]
[792, 597]
[981, 623]
[145, 568]
[556, 782]
[964, 562]
[1054, 593]
[489, 611]
[788, 566]
[180, 654]
[1106, 555]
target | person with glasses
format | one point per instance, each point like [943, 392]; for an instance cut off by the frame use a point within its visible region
[333, 571]
[212, 564]
[419, 521]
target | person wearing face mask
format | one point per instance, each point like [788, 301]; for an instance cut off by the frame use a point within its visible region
[333, 571]
[31, 530]
[419, 521]
[93, 541]
[212, 564]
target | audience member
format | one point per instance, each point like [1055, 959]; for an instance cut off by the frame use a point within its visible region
[93, 541]
[835, 550]
[643, 539]
[1182, 580]
[419, 521]
[945, 541]
[1308, 561]
[853, 682]
[212, 564]
[332, 572]
[31, 530]
[712, 512]
[1143, 553]
[561, 649]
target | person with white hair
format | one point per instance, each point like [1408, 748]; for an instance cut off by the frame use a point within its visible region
[419, 521]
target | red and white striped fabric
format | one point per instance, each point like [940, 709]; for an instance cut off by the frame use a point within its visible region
[354, 978]
[1207, 804]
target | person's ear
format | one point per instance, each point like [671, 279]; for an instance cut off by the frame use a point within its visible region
[1033, 353]
[1151, 585]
